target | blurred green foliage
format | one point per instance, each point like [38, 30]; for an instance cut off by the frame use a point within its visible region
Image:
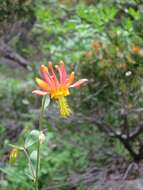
[99, 40]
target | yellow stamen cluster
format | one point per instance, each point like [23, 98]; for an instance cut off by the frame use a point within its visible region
[59, 93]
[65, 110]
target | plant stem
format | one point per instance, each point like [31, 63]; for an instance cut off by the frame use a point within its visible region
[38, 144]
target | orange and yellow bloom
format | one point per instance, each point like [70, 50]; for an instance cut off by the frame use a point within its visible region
[13, 155]
[137, 50]
[57, 86]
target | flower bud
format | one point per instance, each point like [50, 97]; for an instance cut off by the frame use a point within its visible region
[41, 137]
[13, 155]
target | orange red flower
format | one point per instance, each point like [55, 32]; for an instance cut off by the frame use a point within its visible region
[137, 50]
[57, 86]
[97, 45]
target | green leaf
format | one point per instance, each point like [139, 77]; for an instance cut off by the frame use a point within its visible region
[16, 146]
[33, 155]
[47, 102]
[32, 138]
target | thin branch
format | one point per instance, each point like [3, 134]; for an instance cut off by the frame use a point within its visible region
[9, 53]
[136, 132]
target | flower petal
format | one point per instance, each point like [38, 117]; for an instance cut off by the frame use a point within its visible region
[43, 69]
[45, 74]
[42, 84]
[55, 80]
[78, 83]
[63, 70]
[71, 78]
[39, 92]
[60, 74]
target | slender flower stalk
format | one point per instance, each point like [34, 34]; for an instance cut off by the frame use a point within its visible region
[57, 86]
[39, 143]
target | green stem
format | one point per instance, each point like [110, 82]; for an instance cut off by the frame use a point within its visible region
[38, 144]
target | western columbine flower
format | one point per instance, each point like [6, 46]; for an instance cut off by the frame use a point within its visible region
[57, 87]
